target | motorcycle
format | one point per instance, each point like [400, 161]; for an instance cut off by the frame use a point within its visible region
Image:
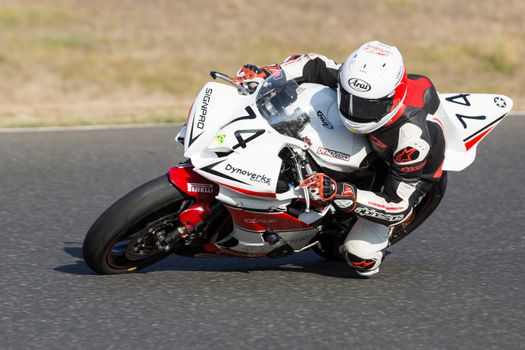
[238, 193]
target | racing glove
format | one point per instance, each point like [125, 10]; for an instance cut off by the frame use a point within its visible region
[325, 189]
[249, 72]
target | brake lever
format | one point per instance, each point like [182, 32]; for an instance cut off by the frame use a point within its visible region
[217, 75]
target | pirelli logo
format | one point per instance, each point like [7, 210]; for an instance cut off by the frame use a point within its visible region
[334, 154]
[200, 188]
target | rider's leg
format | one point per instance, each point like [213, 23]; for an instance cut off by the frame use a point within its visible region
[364, 246]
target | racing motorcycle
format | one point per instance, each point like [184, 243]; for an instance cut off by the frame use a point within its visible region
[247, 151]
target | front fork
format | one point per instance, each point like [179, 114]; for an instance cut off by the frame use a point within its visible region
[302, 166]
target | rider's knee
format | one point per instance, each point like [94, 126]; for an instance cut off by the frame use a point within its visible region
[364, 249]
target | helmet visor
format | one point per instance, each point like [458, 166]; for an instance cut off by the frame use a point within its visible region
[364, 110]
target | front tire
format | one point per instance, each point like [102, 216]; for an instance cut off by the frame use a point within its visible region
[123, 239]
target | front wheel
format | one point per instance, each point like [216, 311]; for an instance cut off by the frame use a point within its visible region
[125, 237]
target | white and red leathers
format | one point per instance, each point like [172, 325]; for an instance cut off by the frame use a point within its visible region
[412, 147]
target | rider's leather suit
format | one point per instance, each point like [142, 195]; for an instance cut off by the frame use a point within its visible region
[412, 147]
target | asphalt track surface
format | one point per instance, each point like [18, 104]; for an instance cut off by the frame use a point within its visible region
[456, 283]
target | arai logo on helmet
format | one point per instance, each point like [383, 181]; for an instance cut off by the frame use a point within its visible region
[359, 85]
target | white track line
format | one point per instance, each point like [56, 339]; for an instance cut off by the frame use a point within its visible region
[122, 126]
[88, 127]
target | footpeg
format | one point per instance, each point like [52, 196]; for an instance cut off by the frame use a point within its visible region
[271, 237]
[316, 243]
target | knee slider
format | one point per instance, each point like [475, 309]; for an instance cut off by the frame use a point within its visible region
[362, 255]
[361, 264]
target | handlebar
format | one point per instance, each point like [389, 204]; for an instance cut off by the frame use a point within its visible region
[242, 89]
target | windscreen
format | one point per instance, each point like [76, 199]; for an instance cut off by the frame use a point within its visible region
[276, 103]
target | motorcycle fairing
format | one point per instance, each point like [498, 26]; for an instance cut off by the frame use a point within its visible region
[257, 221]
[214, 102]
[466, 119]
[332, 145]
[192, 184]
[243, 155]
[238, 148]
[246, 243]
[199, 188]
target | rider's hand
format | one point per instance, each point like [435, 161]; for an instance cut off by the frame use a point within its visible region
[325, 189]
[321, 187]
[249, 72]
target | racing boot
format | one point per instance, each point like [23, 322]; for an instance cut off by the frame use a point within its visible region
[363, 267]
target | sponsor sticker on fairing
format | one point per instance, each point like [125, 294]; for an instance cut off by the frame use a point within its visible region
[332, 153]
[259, 221]
[200, 188]
[261, 178]
[201, 118]
[500, 102]
[220, 138]
[324, 120]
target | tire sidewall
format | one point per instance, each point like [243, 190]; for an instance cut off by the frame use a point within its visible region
[155, 196]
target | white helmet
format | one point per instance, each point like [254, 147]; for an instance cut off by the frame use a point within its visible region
[372, 87]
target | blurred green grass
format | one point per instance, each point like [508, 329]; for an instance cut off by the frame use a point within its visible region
[68, 62]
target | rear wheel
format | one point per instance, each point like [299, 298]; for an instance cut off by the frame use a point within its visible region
[333, 237]
[329, 247]
[127, 236]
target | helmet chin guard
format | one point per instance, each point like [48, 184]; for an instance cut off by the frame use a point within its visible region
[372, 87]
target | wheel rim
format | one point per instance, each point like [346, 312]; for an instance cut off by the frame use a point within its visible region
[141, 245]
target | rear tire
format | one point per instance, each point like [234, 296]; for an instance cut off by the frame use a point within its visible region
[122, 239]
[333, 237]
[329, 247]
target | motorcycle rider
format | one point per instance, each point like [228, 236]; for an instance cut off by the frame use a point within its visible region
[378, 98]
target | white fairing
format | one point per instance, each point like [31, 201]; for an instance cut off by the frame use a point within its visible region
[252, 243]
[232, 143]
[332, 145]
[213, 102]
[466, 119]
[221, 118]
